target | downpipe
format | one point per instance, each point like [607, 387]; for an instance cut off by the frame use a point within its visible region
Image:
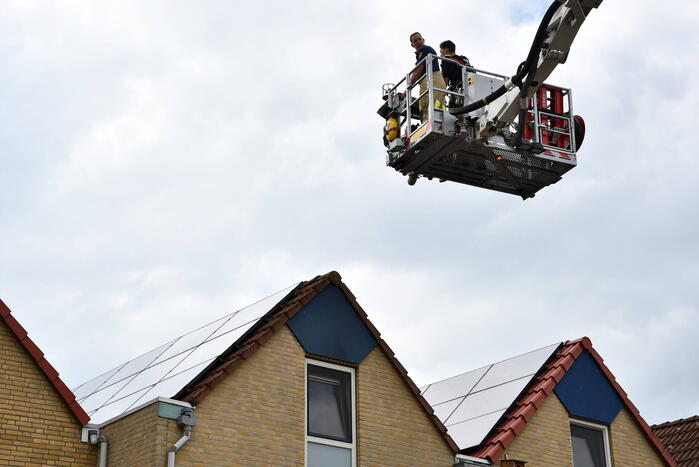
[103, 451]
[178, 445]
[186, 420]
[95, 438]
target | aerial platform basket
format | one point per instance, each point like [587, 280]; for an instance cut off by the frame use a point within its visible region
[460, 149]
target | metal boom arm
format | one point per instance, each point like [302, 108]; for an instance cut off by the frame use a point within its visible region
[560, 34]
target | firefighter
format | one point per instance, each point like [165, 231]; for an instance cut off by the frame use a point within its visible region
[421, 51]
[452, 72]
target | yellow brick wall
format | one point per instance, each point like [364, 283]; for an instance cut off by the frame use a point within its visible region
[392, 428]
[545, 440]
[36, 425]
[629, 444]
[139, 439]
[255, 416]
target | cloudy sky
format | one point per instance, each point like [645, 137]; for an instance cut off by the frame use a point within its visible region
[165, 163]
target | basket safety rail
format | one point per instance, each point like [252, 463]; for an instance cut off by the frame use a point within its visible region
[432, 143]
[550, 121]
[514, 134]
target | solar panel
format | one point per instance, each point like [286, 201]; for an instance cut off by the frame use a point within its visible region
[444, 410]
[483, 402]
[514, 368]
[166, 369]
[456, 386]
[471, 432]
[470, 404]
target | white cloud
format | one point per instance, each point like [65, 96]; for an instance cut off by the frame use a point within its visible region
[165, 163]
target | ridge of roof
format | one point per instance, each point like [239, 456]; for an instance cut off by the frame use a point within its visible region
[46, 368]
[246, 346]
[693, 418]
[681, 439]
[523, 409]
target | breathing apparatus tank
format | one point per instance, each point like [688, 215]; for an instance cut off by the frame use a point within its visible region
[391, 129]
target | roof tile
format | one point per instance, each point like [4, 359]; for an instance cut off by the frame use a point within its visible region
[523, 410]
[15, 327]
[567, 361]
[681, 438]
[517, 425]
[505, 437]
[64, 391]
[38, 356]
[49, 370]
[33, 349]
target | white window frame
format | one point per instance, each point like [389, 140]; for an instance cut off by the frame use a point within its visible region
[595, 426]
[330, 442]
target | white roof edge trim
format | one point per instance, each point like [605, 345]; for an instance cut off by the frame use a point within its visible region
[141, 406]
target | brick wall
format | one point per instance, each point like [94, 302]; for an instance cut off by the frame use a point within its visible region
[36, 426]
[545, 440]
[392, 428]
[137, 439]
[255, 416]
[629, 445]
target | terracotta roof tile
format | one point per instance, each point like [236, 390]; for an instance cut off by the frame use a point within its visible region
[525, 412]
[38, 356]
[548, 376]
[681, 438]
[14, 325]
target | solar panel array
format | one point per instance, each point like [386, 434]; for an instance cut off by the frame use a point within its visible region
[166, 369]
[470, 404]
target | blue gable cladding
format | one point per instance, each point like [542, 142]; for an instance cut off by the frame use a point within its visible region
[329, 326]
[586, 392]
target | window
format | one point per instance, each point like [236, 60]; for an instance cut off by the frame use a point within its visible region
[590, 444]
[330, 415]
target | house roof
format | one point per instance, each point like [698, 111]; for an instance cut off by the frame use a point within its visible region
[681, 438]
[38, 356]
[524, 408]
[190, 366]
[265, 328]
[166, 369]
[470, 404]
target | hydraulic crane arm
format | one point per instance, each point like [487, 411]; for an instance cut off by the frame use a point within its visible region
[521, 137]
[550, 48]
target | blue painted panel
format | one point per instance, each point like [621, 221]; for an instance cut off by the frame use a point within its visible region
[586, 392]
[330, 327]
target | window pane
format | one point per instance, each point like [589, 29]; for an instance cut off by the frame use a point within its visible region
[321, 455]
[329, 403]
[588, 447]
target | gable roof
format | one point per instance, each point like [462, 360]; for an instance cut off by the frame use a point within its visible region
[681, 438]
[46, 368]
[166, 369]
[265, 328]
[524, 408]
[191, 365]
[470, 404]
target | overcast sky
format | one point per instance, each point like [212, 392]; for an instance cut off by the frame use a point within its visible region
[167, 162]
